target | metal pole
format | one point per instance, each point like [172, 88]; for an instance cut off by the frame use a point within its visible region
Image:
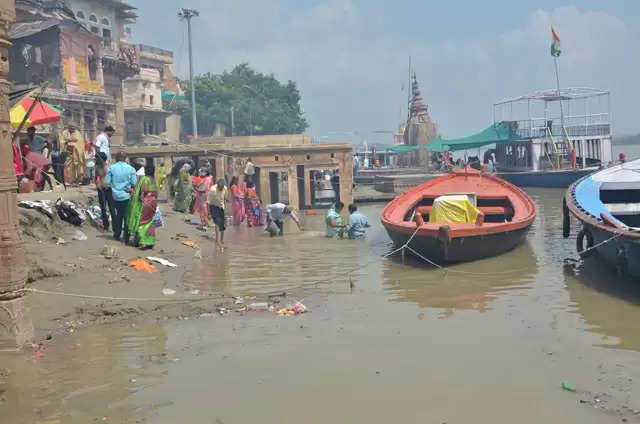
[555, 61]
[233, 125]
[187, 14]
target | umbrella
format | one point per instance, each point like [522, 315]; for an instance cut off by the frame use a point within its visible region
[42, 113]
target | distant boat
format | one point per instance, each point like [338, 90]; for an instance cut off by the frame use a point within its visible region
[607, 203]
[493, 217]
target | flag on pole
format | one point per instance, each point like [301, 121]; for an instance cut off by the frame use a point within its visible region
[555, 44]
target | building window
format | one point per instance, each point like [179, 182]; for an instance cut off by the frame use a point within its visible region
[80, 15]
[143, 98]
[106, 38]
[93, 18]
[95, 30]
[92, 62]
[150, 99]
[105, 22]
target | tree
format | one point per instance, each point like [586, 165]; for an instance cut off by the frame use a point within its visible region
[262, 105]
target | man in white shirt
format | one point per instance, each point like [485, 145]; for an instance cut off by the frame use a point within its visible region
[276, 213]
[101, 142]
[249, 171]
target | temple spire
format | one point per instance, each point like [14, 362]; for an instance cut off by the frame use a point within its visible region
[418, 106]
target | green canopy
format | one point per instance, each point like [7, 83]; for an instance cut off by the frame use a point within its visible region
[502, 132]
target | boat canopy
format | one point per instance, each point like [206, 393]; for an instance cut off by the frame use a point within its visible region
[502, 132]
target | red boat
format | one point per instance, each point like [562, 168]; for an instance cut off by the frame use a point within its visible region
[462, 216]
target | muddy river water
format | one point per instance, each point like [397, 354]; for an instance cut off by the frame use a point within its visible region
[485, 342]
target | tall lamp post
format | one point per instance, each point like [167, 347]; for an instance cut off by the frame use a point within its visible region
[187, 14]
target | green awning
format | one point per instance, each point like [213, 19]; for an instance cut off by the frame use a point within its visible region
[499, 133]
[171, 96]
[502, 132]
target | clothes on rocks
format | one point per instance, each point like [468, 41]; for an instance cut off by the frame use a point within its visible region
[183, 192]
[357, 225]
[121, 177]
[142, 209]
[202, 185]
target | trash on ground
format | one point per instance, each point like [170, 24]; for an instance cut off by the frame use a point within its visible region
[110, 252]
[222, 311]
[95, 215]
[191, 244]
[195, 292]
[298, 308]
[70, 212]
[258, 306]
[238, 300]
[168, 292]
[79, 235]
[59, 240]
[158, 222]
[162, 261]
[566, 386]
[42, 206]
[142, 265]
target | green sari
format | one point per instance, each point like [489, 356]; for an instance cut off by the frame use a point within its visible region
[332, 232]
[184, 193]
[142, 209]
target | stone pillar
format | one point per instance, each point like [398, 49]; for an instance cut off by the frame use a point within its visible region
[292, 180]
[346, 182]
[265, 186]
[15, 330]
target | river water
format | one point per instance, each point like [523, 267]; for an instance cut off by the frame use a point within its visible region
[488, 341]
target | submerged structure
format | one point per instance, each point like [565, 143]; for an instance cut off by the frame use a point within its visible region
[420, 129]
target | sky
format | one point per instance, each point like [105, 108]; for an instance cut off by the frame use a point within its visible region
[350, 57]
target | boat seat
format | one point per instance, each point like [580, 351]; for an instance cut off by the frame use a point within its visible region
[486, 210]
[623, 208]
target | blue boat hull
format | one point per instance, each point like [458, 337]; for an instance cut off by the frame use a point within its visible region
[550, 179]
[620, 254]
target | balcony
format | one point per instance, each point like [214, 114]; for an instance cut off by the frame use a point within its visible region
[594, 125]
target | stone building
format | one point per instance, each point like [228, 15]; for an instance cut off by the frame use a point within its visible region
[420, 129]
[288, 167]
[153, 99]
[73, 47]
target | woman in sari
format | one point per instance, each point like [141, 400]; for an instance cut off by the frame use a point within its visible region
[335, 223]
[237, 201]
[183, 190]
[253, 207]
[142, 210]
[202, 184]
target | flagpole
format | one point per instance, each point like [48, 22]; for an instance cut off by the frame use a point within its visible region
[555, 61]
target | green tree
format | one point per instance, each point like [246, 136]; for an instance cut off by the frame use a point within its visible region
[262, 105]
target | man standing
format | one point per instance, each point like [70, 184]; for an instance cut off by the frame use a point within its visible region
[217, 198]
[105, 198]
[276, 213]
[101, 142]
[121, 177]
[35, 142]
[357, 223]
[73, 145]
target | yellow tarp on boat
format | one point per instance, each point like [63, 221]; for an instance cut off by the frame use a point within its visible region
[455, 208]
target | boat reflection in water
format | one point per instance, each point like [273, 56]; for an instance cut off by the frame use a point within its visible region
[429, 287]
[608, 304]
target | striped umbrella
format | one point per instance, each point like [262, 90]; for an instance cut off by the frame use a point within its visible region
[42, 113]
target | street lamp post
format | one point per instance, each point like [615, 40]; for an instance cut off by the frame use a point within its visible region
[187, 14]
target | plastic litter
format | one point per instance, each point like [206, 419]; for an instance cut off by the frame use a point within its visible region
[191, 244]
[162, 261]
[298, 308]
[79, 235]
[42, 206]
[258, 306]
[110, 252]
[95, 215]
[566, 386]
[158, 222]
[59, 241]
[142, 265]
[69, 212]
[168, 292]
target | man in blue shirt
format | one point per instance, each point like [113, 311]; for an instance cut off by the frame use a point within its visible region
[121, 177]
[357, 223]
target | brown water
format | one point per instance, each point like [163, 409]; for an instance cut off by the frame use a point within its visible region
[488, 341]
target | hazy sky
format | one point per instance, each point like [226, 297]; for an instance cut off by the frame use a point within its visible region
[349, 57]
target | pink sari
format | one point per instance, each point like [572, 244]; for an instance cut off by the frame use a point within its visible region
[202, 185]
[239, 212]
[254, 209]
